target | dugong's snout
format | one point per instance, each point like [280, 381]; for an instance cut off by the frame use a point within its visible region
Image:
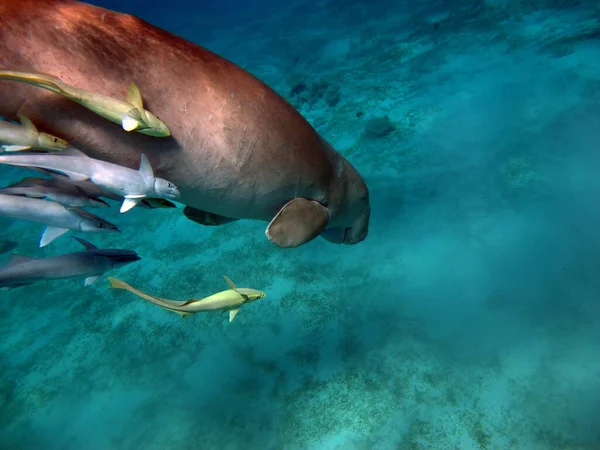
[353, 226]
[358, 206]
[359, 230]
[359, 222]
[352, 235]
[353, 210]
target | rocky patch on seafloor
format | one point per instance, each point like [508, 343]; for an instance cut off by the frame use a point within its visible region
[306, 92]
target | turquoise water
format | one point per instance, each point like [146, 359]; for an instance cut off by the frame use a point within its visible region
[468, 319]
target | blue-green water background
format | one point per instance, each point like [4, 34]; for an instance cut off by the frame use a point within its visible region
[469, 318]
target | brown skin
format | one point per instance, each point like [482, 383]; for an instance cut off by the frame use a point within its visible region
[237, 149]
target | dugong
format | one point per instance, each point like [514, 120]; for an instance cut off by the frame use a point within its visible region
[237, 149]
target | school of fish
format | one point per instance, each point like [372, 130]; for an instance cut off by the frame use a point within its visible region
[77, 181]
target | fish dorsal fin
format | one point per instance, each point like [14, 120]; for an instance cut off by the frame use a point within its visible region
[27, 123]
[234, 288]
[230, 283]
[233, 313]
[137, 114]
[135, 97]
[50, 234]
[146, 168]
[16, 259]
[88, 245]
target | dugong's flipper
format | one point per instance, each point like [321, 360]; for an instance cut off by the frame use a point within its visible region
[206, 218]
[298, 222]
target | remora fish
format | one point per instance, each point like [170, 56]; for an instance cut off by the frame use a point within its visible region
[15, 138]
[230, 300]
[59, 190]
[55, 216]
[89, 264]
[94, 191]
[133, 185]
[130, 114]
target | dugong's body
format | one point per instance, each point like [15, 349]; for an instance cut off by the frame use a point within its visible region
[237, 149]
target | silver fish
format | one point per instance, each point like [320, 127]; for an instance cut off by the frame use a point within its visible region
[94, 191]
[89, 264]
[58, 190]
[55, 216]
[16, 138]
[133, 185]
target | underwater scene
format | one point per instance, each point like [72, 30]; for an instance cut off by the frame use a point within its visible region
[316, 225]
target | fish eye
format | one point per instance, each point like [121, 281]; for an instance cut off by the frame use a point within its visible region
[100, 225]
[55, 139]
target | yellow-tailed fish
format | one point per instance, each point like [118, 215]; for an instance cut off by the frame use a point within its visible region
[16, 138]
[130, 114]
[230, 300]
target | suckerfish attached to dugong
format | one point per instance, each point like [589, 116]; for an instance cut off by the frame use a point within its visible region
[57, 218]
[54, 189]
[237, 149]
[16, 138]
[133, 185]
[130, 114]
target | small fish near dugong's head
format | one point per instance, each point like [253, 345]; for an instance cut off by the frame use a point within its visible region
[165, 189]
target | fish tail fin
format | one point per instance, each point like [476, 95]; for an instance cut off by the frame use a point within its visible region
[118, 284]
[43, 80]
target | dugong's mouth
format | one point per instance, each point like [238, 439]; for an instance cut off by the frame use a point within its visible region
[351, 236]
[344, 236]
